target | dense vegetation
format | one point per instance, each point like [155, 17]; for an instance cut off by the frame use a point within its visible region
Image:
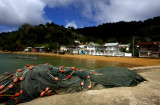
[52, 36]
[123, 32]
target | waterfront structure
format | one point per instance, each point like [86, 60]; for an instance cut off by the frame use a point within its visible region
[148, 49]
[111, 49]
[94, 49]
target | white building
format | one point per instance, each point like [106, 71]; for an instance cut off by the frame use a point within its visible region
[111, 49]
[94, 49]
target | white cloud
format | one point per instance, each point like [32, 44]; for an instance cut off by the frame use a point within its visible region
[17, 12]
[71, 24]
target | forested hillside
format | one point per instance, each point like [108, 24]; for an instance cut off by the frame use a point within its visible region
[123, 32]
[52, 36]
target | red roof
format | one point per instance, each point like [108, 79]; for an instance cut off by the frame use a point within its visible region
[148, 43]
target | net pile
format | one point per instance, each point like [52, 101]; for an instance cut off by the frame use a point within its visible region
[33, 81]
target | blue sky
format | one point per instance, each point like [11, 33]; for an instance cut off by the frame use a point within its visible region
[75, 13]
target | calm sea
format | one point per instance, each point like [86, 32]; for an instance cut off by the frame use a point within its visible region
[11, 62]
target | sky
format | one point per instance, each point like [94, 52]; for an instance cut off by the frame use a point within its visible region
[74, 13]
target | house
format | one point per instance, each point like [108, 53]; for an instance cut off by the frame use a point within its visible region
[111, 49]
[94, 49]
[123, 48]
[148, 49]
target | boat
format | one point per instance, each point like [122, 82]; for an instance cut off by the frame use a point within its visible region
[26, 57]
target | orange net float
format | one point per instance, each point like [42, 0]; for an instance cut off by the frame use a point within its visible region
[62, 71]
[46, 90]
[42, 93]
[82, 83]
[89, 87]
[19, 70]
[17, 94]
[56, 79]
[88, 77]
[21, 78]
[27, 65]
[15, 80]
[2, 87]
[11, 86]
[21, 91]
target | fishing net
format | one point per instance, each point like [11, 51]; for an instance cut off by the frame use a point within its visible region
[33, 81]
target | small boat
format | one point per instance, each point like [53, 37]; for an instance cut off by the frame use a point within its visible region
[26, 57]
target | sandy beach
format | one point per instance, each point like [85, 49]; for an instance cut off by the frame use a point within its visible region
[128, 60]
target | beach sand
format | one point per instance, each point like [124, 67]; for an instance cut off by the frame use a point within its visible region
[146, 93]
[127, 60]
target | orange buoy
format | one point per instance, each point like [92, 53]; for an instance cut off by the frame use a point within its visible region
[21, 78]
[12, 75]
[21, 91]
[80, 70]
[89, 87]
[75, 69]
[69, 77]
[82, 83]
[42, 93]
[88, 77]
[27, 65]
[11, 97]
[19, 70]
[17, 94]
[47, 64]
[16, 101]
[49, 92]
[36, 64]
[56, 78]
[46, 90]
[30, 67]
[62, 66]
[101, 74]
[15, 80]
[2, 87]
[62, 71]
[11, 86]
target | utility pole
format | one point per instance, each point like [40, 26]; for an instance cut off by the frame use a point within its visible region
[133, 45]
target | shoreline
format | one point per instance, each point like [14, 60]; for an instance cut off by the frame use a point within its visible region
[126, 60]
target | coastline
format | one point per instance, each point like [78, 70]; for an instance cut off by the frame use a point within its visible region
[127, 60]
[145, 93]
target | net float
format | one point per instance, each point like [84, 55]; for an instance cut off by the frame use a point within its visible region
[15, 80]
[56, 78]
[62, 71]
[21, 78]
[11, 86]
[89, 87]
[47, 64]
[42, 93]
[101, 74]
[27, 65]
[21, 91]
[19, 70]
[46, 90]
[12, 75]
[69, 77]
[17, 94]
[82, 83]
[2, 87]
[88, 77]
[31, 68]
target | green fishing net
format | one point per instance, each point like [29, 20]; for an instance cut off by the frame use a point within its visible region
[34, 81]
